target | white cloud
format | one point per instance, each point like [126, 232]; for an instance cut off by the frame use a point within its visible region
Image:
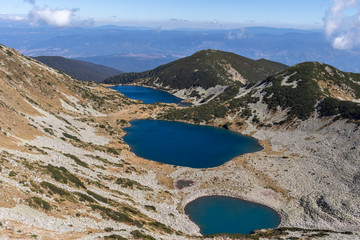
[52, 17]
[331, 26]
[342, 42]
[16, 18]
[340, 5]
[64, 17]
[342, 29]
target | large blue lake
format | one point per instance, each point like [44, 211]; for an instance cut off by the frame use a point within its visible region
[185, 144]
[220, 214]
[147, 95]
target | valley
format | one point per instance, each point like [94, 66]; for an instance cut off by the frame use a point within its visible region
[68, 174]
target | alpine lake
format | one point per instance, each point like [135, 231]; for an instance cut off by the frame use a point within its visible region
[198, 146]
[147, 95]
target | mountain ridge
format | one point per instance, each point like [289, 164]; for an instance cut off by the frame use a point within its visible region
[201, 71]
[81, 70]
[301, 86]
[131, 62]
[302, 89]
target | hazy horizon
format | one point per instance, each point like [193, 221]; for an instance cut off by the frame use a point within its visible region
[169, 14]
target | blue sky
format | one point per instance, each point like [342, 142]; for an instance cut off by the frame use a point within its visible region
[168, 13]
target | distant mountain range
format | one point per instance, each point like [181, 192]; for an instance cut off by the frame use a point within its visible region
[81, 70]
[125, 48]
[131, 62]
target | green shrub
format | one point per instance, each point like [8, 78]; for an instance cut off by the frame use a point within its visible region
[77, 160]
[345, 109]
[300, 100]
[150, 208]
[9, 53]
[114, 237]
[202, 113]
[113, 151]
[71, 137]
[139, 235]
[38, 202]
[108, 229]
[63, 175]
[128, 183]
[98, 197]
[54, 189]
[84, 197]
[99, 158]
[123, 121]
[161, 226]
[114, 215]
[49, 130]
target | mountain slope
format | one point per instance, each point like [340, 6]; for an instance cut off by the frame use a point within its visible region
[308, 118]
[203, 75]
[67, 174]
[62, 161]
[300, 87]
[297, 92]
[131, 62]
[81, 70]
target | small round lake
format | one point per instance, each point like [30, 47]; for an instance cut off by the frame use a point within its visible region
[147, 95]
[220, 214]
[184, 144]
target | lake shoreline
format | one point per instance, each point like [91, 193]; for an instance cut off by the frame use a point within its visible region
[183, 103]
[165, 141]
[196, 196]
[148, 95]
[238, 220]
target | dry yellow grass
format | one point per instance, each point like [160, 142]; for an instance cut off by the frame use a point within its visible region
[335, 91]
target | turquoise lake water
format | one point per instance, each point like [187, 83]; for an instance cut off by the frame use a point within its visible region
[147, 95]
[220, 214]
[185, 144]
